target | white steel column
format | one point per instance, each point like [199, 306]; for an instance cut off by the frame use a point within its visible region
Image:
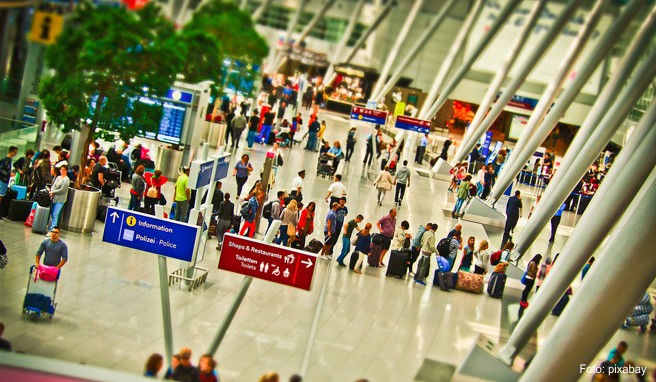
[394, 52]
[345, 37]
[476, 131]
[260, 11]
[592, 136]
[621, 275]
[526, 146]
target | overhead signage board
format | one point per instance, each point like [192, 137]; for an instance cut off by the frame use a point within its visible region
[148, 233]
[222, 167]
[413, 124]
[201, 173]
[282, 265]
[363, 114]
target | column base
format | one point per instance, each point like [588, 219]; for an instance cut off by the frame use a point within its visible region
[441, 170]
[483, 363]
[479, 212]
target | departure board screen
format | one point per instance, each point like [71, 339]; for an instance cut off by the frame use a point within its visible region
[170, 127]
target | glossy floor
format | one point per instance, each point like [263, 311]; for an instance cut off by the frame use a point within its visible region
[373, 327]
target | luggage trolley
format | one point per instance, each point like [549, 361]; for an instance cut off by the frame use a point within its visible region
[40, 295]
[324, 166]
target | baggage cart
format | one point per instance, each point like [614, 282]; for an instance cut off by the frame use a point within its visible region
[40, 296]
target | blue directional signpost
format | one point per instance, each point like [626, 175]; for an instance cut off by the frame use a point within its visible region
[148, 233]
[421, 126]
[363, 114]
[222, 167]
[201, 174]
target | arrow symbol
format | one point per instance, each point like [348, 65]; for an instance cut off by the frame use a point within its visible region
[307, 262]
[114, 216]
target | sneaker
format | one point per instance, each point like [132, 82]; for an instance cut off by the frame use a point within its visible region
[341, 264]
[420, 282]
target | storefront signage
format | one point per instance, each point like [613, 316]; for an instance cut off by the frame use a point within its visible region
[413, 124]
[148, 233]
[521, 102]
[282, 265]
[368, 115]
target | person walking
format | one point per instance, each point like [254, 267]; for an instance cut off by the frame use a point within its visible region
[249, 213]
[329, 232]
[480, 180]
[225, 218]
[362, 247]
[346, 238]
[306, 223]
[513, 212]
[427, 249]
[59, 195]
[529, 277]
[402, 181]
[386, 225]
[555, 221]
[289, 221]
[253, 124]
[421, 149]
[267, 124]
[350, 144]
[182, 195]
[238, 125]
[482, 258]
[463, 195]
[336, 191]
[369, 153]
[56, 251]
[241, 172]
[383, 184]
[138, 189]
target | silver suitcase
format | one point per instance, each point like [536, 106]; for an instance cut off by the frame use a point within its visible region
[41, 216]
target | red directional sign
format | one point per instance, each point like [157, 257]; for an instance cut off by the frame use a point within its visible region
[282, 265]
[368, 115]
[413, 124]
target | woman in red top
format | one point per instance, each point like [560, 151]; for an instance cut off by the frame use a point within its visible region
[156, 180]
[306, 222]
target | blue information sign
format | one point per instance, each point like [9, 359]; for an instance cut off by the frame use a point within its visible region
[421, 126]
[368, 115]
[201, 173]
[150, 234]
[485, 148]
[222, 167]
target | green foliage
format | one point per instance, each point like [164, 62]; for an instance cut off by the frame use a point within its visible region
[113, 56]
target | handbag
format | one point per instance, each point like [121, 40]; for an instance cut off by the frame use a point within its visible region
[162, 200]
[291, 230]
[524, 279]
[354, 241]
[406, 242]
[279, 160]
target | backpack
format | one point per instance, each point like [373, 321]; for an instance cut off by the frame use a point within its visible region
[246, 210]
[266, 210]
[472, 191]
[443, 247]
[152, 192]
[495, 258]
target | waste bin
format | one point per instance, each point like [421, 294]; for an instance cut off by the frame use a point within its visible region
[169, 161]
[79, 212]
[216, 134]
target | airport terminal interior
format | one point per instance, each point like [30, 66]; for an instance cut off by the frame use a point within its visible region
[107, 317]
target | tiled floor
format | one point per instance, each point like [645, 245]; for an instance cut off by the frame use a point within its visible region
[371, 326]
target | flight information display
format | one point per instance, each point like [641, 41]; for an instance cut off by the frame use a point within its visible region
[170, 127]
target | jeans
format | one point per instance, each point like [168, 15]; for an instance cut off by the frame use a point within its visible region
[400, 192]
[420, 154]
[135, 203]
[479, 189]
[250, 138]
[283, 237]
[346, 247]
[264, 133]
[54, 214]
[459, 203]
[181, 210]
[350, 147]
[527, 289]
[555, 221]
[312, 141]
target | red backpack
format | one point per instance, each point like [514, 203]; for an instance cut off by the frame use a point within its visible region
[495, 258]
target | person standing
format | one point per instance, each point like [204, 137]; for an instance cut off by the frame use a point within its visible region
[362, 247]
[154, 181]
[456, 228]
[59, 195]
[297, 126]
[306, 222]
[402, 181]
[289, 221]
[313, 130]
[98, 174]
[225, 218]
[386, 225]
[229, 132]
[241, 172]
[297, 186]
[454, 245]
[55, 249]
[473, 158]
[543, 271]
[238, 125]
[586, 267]
[346, 238]
[489, 179]
[513, 212]
[529, 277]
[253, 123]
[5, 171]
[23, 166]
[336, 191]
[329, 232]
[463, 194]
[383, 184]
[369, 154]
[427, 249]
[182, 194]
[267, 124]
[421, 149]
[138, 189]
[445, 149]
[555, 221]
[320, 133]
[468, 255]
[350, 144]
[481, 258]
[480, 180]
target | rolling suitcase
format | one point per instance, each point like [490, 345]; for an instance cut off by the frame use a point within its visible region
[443, 280]
[355, 255]
[496, 285]
[21, 191]
[314, 246]
[398, 264]
[374, 255]
[214, 222]
[6, 202]
[43, 198]
[19, 210]
[40, 224]
[469, 282]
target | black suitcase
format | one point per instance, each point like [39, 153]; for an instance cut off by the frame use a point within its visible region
[214, 222]
[42, 197]
[355, 255]
[297, 243]
[398, 264]
[6, 202]
[444, 280]
[236, 223]
[374, 255]
[496, 285]
[314, 246]
[101, 212]
[560, 306]
[19, 210]
[271, 138]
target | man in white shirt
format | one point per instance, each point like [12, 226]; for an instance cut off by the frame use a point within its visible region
[336, 190]
[297, 186]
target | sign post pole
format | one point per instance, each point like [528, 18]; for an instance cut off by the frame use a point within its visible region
[315, 323]
[245, 284]
[164, 296]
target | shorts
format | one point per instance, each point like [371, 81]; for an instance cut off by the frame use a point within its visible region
[3, 188]
[386, 242]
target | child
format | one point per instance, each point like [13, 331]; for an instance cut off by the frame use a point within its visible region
[362, 247]
[206, 366]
